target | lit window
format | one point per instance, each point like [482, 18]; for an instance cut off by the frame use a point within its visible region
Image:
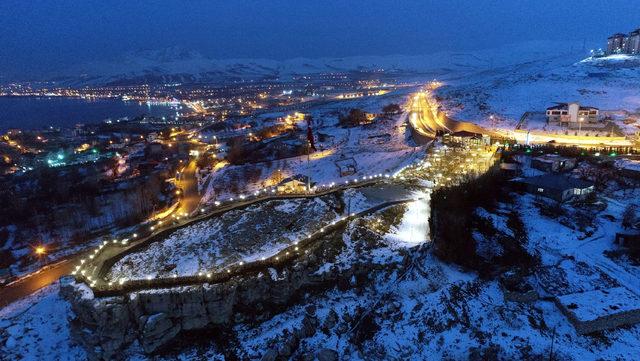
[540, 190]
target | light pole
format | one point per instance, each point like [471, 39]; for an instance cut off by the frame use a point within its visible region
[580, 125]
[40, 252]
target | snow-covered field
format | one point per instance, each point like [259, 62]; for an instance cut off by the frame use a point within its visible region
[259, 231]
[36, 328]
[440, 313]
[240, 235]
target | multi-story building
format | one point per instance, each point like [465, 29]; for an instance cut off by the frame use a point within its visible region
[633, 42]
[616, 43]
[571, 114]
[620, 43]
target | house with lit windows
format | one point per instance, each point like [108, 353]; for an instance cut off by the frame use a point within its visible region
[572, 115]
[556, 186]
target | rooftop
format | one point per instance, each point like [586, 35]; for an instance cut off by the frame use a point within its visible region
[549, 158]
[565, 106]
[297, 177]
[591, 305]
[556, 181]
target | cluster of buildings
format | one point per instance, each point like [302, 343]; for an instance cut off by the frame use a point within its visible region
[620, 43]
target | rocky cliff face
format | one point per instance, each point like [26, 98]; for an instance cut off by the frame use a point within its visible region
[107, 326]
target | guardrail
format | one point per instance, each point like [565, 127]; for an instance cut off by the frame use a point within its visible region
[101, 260]
[107, 264]
[240, 269]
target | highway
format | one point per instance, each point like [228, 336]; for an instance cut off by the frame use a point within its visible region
[427, 121]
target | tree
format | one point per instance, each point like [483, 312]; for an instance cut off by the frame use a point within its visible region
[354, 118]
[309, 119]
[237, 153]
[276, 177]
[391, 108]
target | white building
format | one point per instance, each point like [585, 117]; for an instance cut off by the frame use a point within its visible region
[572, 114]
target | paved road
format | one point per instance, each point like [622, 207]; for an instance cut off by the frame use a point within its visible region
[427, 121]
[51, 273]
[188, 183]
[36, 281]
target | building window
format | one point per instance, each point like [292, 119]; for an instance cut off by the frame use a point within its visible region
[540, 190]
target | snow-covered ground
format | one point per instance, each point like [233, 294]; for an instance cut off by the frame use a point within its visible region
[507, 92]
[378, 148]
[440, 313]
[36, 328]
[430, 310]
[238, 236]
[259, 231]
[414, 226]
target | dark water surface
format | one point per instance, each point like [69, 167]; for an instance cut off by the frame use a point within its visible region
[40, 112]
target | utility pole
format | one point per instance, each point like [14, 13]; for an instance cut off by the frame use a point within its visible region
[579, 126]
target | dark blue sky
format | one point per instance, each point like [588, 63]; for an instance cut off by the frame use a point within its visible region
[41, 36]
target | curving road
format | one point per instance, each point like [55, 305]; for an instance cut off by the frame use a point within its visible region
[427, 121]
[188, 185]
[37, 280]
[51, 273]
[96, 268]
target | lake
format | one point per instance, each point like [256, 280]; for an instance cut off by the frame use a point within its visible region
[40, 112]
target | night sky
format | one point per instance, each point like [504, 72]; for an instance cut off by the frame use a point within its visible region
[43, 36]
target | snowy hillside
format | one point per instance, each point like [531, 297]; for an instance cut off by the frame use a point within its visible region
[507, 92]
[177, 65]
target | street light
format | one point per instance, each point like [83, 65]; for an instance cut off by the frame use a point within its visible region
[580, 120]
[40, 250]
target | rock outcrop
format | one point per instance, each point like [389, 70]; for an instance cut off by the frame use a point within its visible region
[107, 326]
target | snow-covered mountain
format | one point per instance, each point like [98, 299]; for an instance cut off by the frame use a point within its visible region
[178, 65]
